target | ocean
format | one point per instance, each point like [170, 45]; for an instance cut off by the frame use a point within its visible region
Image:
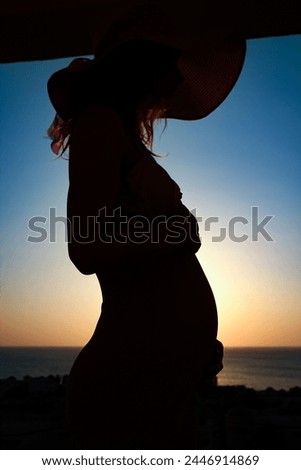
[257, 368]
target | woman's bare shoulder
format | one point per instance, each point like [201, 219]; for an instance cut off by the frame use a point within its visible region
[98, 130]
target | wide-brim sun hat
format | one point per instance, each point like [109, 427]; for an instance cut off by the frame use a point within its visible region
[210, 62]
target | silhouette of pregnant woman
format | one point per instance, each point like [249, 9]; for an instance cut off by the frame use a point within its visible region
[133, 386]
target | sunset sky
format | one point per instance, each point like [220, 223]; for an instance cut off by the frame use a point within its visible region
[245, 155]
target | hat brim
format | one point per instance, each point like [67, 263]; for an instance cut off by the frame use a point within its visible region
[210, 73]
[210, 65]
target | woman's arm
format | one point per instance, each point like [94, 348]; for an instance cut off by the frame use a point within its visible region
[97, 150]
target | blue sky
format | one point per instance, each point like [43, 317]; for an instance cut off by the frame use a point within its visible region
[246, 154]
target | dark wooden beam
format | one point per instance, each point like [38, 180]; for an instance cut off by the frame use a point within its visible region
[40, 29]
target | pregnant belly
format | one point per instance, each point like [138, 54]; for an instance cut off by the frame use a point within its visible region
[164, 309]
[153, 342]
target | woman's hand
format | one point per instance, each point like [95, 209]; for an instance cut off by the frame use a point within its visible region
[216, 363]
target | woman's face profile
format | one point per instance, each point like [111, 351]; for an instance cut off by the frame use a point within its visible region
[148, 69]
[169, 82]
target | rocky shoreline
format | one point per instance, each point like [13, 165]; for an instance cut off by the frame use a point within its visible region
[32, 416]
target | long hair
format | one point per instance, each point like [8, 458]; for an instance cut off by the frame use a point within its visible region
[134, 93]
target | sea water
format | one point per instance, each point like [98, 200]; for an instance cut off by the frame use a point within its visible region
[258, 368]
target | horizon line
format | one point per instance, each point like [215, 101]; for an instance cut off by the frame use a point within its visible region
[82, 346]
